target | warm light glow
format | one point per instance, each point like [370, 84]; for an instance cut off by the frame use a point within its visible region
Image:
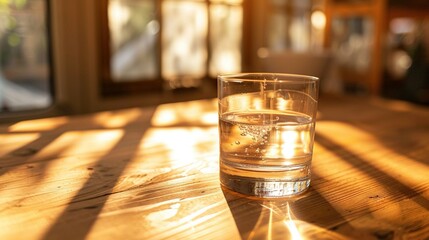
[186, 145]
[289, 140]
[76, 149]
[318, 20]
[337, 128]
[38, 125]
[51, 185]
[75, 143]
[164, 117]
[299, 34]
[367, 144]
[116, 119]
[236, 102]
[210, 118]
[283, 104]
[10, 142]
[186, 113]
[161, 216]
[118, 15]
[227, 1]
[290, 224]
[257, 104]
[218, 11]
[227, 62]
[226, 19]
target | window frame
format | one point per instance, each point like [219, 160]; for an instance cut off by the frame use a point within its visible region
[160, 84]
[51, 109]
[76, 65]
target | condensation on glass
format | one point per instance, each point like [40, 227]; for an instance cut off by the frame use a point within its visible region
[196, 39]
[24, 56]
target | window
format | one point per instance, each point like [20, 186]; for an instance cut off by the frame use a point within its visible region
[133, 28]
[154, 45]
[226, 21]
[24, 56]
[295, 25]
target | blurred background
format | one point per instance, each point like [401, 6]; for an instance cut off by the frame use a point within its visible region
[80, 56]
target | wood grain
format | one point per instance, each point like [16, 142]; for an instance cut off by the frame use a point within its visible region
[137, 174]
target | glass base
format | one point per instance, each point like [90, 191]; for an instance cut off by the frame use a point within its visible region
[264, 188]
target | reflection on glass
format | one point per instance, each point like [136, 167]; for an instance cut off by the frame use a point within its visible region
[24, 62]
[184, 42]
[133, 35]
[225, 35]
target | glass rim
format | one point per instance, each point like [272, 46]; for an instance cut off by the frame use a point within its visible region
[268, 77]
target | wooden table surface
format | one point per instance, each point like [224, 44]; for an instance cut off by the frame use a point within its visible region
[152, 173]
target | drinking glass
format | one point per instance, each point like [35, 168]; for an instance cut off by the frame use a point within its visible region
[266, 128]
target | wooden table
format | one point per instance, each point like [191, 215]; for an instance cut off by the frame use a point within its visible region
[153, 174]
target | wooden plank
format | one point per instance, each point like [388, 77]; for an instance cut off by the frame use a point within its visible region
[113, 178]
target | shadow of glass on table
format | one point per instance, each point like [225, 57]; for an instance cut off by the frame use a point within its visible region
[283, 218]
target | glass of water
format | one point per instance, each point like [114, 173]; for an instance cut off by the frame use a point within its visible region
[266, 128]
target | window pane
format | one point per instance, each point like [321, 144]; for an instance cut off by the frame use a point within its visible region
[225, 35]
[24, 61]
[352, 37]
[133, 36]
[300, 27]
[278, 26]
[289, 25]
[184, 42]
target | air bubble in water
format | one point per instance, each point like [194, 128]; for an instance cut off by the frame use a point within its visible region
[255, 132]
